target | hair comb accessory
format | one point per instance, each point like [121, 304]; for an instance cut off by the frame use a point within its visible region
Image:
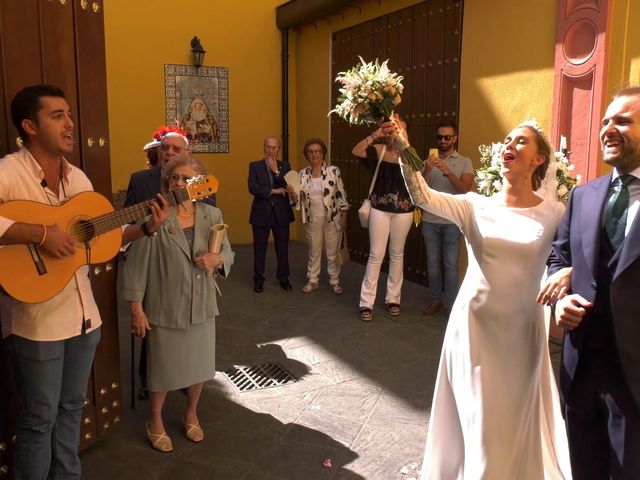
[533, 123]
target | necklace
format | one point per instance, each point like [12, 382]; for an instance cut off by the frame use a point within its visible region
[183, 215]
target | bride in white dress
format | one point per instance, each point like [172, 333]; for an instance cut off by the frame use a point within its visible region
[496, 413]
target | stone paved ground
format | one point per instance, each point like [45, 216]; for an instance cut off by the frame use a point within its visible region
[362, 400]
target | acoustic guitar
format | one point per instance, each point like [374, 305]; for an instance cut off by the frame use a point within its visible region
[31, 275]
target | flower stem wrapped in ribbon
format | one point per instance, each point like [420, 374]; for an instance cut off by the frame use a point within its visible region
[369, 94]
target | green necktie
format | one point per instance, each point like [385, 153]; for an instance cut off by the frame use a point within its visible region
[615, 213]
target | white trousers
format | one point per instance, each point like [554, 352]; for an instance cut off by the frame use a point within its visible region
[383, 227]
[320, 233]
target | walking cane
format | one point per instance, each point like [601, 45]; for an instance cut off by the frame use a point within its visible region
[133, 369]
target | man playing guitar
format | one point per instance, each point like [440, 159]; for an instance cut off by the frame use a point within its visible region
[52, 342]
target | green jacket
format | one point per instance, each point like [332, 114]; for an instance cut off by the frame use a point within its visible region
[159, 272]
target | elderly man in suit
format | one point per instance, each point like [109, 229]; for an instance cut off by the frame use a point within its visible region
[145, 184]
[599, 238]
[270, 212]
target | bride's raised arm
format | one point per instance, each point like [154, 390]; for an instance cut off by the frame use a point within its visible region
[455, 208]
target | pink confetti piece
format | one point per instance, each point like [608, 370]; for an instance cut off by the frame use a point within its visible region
[327, 463]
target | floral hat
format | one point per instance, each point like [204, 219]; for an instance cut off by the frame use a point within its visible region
[165, 131]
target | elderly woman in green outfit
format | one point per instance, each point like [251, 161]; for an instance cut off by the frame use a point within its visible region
[168, 282]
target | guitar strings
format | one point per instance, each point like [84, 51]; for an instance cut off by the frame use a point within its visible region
[104, 223]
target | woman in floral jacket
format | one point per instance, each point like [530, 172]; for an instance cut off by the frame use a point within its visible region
[324, 213]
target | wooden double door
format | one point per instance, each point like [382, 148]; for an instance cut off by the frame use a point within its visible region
[423, 44]
[61, 42]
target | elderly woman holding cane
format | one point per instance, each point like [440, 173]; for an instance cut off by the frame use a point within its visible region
[167, 281]
[324, 213]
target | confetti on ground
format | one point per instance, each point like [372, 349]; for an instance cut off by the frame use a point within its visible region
[327, 463]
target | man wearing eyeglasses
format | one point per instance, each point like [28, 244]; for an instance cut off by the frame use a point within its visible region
[145, 184]
[452, 173]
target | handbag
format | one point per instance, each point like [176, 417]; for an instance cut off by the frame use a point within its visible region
[365, 210]
[363, 213]
[343, 252]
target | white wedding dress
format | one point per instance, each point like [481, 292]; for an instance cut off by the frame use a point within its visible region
[496, 412]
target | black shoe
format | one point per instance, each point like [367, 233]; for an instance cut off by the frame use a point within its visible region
[143, 394]
[257, 287]
[285, 285]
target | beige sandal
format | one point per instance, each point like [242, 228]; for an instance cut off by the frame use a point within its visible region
[159, 441]
[193, 432]
[393, 309]
[309, 287]
[366, 314]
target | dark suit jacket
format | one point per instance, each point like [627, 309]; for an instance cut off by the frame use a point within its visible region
[145, 185]
[263, 202]
[577, 244]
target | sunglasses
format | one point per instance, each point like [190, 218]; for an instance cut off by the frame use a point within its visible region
[165, 147]
[175, 177]
[446, 138]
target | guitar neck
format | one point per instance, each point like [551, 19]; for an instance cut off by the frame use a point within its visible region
[113, 220]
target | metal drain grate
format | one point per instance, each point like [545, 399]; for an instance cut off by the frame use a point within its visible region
[258, 377]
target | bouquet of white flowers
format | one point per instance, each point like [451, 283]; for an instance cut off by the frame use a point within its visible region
[369, 94]
[489, 179]
[565, 181]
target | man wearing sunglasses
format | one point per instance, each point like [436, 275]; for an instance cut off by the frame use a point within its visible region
[452, 173]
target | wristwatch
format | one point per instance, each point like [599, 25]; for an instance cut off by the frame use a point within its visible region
[145, 229]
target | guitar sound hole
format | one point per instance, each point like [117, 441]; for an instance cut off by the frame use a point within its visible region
[83, 231]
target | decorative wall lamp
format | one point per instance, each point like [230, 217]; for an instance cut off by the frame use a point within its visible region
[197, 51]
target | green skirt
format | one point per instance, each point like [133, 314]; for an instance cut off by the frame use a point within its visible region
[180, 358]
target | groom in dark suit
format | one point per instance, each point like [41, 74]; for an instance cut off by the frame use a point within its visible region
[599, 237]
[270, 212]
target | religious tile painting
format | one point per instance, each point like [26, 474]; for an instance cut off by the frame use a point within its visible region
[197, 100]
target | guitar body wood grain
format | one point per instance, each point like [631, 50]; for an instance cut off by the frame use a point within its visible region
[19, 275]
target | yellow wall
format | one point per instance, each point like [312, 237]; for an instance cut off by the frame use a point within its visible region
[506, 70]
[313, 70]
[242, 35]
[624, 51]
